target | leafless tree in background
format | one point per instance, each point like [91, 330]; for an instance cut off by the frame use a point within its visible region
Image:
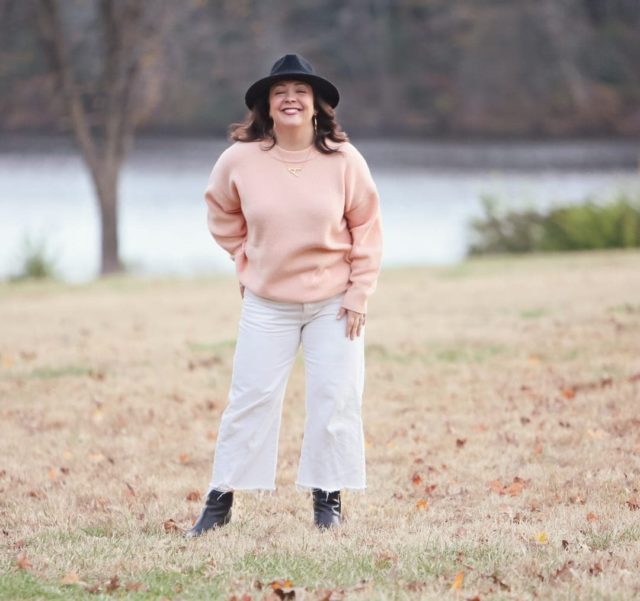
[105, 110]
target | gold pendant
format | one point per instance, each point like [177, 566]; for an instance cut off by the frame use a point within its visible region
[294, 170]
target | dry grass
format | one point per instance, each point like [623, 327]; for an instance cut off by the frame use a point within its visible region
[501, 416]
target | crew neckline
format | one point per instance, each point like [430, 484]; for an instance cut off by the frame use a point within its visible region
[294, 156]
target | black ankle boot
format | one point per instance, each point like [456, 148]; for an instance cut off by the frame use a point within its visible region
[326, 508]
[216, 513]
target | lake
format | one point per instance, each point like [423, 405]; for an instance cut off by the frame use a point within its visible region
[429, 191]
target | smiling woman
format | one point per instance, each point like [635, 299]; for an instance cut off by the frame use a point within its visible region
[293, 203]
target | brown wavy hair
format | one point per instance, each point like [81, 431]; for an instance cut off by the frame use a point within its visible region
[258, 125]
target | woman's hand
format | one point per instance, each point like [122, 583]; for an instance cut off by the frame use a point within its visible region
[355, 321]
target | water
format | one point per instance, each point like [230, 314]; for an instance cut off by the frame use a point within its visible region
[428, 195]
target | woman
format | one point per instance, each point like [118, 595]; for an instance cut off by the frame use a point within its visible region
[294, 205]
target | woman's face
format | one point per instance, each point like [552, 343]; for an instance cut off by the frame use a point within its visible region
[291, 104]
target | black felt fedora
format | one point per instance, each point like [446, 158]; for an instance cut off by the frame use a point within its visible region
[293, 66]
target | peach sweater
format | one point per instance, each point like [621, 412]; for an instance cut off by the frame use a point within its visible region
[298, 238]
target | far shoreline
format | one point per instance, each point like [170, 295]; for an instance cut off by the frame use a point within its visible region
[472, 153]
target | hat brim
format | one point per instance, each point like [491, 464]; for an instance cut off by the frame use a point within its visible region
[322, 87]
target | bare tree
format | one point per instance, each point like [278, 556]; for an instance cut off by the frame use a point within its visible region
[104, 113]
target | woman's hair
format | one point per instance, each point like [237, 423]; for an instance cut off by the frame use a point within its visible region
[258, 125]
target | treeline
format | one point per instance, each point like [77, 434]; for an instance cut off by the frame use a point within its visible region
[407, 68]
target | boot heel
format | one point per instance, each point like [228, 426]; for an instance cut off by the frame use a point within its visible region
[216, 513]
[327, 508]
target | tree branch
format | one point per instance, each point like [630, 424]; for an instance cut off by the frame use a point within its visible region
[52, 33]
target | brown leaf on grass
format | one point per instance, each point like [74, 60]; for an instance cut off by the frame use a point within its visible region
[244, 597]
[633, 504]
[194, 495]
[592, 517]
[170, 525]
[563, 572]
[457, 581]
[568, 393]
[134, 586]
[23, 562]
[430, 488]
[422, 504]
[283, 589]
[595, 569]
[113, 584]
[513, 489]
[184, 458]
[280, 584]
[496, 580]
[460, 442]
[37, 494]
[416, 479]
[70, 578]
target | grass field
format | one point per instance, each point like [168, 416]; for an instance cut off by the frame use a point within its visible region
[501, 417]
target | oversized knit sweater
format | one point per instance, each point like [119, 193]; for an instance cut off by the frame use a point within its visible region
[298, 236]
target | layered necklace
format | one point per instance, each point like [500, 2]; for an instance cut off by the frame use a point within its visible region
[293, 167]
[296, 170]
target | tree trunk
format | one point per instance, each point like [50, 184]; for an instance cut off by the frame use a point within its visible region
[106, 185]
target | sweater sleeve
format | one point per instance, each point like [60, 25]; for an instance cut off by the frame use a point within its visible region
[362, 213]
[225, 219]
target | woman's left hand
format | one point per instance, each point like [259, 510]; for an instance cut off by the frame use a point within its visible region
[355, 321]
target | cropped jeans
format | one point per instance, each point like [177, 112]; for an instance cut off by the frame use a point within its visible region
[269, 335]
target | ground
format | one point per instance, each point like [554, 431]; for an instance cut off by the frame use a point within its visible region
[502, 439]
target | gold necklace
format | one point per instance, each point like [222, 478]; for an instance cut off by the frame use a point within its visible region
[296, 170]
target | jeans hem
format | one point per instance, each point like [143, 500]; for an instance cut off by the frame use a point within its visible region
[309, 488]
[256, 490]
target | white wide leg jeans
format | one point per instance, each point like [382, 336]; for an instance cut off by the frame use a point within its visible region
[269, 335]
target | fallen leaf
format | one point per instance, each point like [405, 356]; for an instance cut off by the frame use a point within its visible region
[514, 489]
[170, 525]
[422, 504]
[134, 586]
[595, 569]
[416, 479]
[457, 581]
[184, 458]
[194, 495]
[633, 504]
[592, 517]
[460, 442]
[113, 584]
[430, 488]
[70, 578]
[542, 538]
[568, 393]
[23, 562]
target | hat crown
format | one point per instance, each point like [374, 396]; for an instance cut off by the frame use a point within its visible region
[292, 63]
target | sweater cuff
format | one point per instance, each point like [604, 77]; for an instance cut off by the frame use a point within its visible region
[355, 299]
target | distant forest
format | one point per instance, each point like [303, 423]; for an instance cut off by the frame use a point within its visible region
[405, 68]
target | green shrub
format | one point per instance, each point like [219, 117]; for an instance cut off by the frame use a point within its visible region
[590, 225]
[36, 261]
